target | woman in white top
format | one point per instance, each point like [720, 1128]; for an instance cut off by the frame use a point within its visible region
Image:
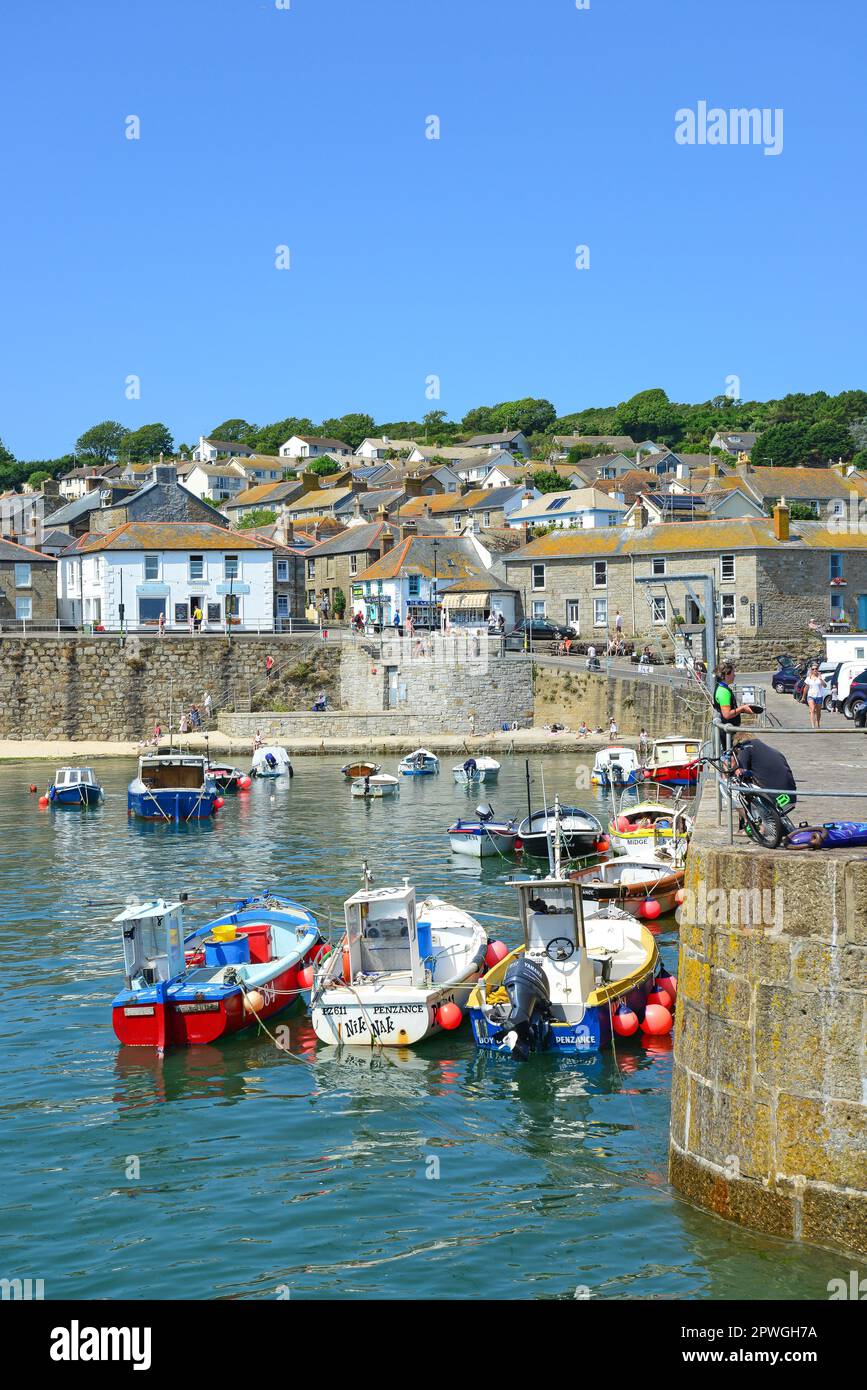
[815, 691]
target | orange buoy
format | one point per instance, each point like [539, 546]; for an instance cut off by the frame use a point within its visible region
[305, 977]
[658, 995]
[347, 969]
[43, 801]
[624, 1021]
[254, 1001]
[623, 823]
[219, 803]
[657, 1020]
[33, 786]
[449, 1016]
[497, 951]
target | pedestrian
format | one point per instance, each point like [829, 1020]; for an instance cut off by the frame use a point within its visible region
[501, 624]
[724, 697]
[161, 625]
[397, 621]
[269, 665]
[195, 717]
[197, 619]
[815, 690]
[209, 706]
[410, 625]
[582, 730]
[158, 733]
[618, 623]
[612, 728]
[643, 744]
[257, 741]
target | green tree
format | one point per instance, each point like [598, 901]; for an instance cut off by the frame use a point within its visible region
[35, 480]
[649, 415]
[100, 444]
[147, 442]
[860, 460]
[267, 439]
[234, 431]
[5, 456]
[828, 440]
[548, 480]
[480, 420]
[338, 603]
[321, 466]
[351, 429]
[260, 517]
[781, 446]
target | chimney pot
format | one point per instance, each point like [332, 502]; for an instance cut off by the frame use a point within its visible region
[781, 520]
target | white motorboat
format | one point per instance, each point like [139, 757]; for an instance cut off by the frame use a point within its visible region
[483, 836]
[615, 766]
[271, 761]
[402, 973]
[381, 784]
[475, 770]
[421, 763]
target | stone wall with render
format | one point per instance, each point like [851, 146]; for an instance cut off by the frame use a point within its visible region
[768, 1116]
[102, 688]
[661, 706]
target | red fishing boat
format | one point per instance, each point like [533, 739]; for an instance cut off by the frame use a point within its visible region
[673, 761]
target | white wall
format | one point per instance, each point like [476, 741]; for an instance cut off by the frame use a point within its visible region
[108, 576]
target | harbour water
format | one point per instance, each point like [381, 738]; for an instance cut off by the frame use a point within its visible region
[247, 1171]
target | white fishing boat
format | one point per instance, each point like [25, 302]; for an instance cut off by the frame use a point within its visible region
[402, 973]
[421, 763]
[271, 761]
[659, 821]
[474, 770]
[615, 766]
[381, 784]
[484, 836]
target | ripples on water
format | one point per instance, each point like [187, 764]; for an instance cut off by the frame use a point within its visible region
[258, 1170]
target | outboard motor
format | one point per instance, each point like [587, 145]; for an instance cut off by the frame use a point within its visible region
[470, 766]
[485, 813]
[523, 1027]
[271, 760]
[615, 771]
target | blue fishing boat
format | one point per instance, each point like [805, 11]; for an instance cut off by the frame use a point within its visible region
[421, 763]
[237, 970]
[173, 787]
[75, 786]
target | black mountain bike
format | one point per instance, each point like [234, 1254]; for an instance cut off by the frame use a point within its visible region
[763, 815]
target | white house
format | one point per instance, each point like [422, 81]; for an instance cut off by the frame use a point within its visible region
[514, 441]
[78, 482]
[477, 468]
[584, 507]
[222, 482]
[140, 570]
[263, 468]
[415, 576]
[373, 449]
[308, 446]
[209, 450]
[734, 441]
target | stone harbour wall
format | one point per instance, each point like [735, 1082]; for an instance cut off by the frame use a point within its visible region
[768, 1117]
[661, 706]
[102, 688]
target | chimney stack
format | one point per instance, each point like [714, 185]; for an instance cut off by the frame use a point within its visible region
[781, 520]
[310, 481]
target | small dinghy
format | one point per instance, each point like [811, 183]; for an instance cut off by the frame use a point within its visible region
[582, 834]
[643, 886]
[615, 766]
[235, 970]
[360, 769]
[228, 779]
[403, 972]
[175, 787]
[421, 763]
[475, 770]
[650, 824]
[483, 837]
[381, 784]
[271, 761]
[577, 974]
[674, 761]
[74, 786]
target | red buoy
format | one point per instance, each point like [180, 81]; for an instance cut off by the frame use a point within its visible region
[305, 977]
[658, 995]
[245, 783]
[668, 983]
[650, 909]
[219, 803]
[33, 786]
[497, 951]
[43, 801]
[680, 896]
[449, 1016]
[656, 1020]
[624, 1021]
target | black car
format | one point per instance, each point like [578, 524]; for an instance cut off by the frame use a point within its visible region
[786, 678]
[530, 630]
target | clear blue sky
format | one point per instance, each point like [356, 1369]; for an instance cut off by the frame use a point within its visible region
[411, 256]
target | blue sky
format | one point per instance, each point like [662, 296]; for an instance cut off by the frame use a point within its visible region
[411, 257]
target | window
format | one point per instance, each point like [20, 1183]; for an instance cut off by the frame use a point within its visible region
[353, 564]
[329, 567]
[152, 566]
[197, 566]
[282, 605]
[658, 608]
[613, 518]
[657, 565]
[457, 523]
[573, 609]
[149, 610]
[311, 569]
[486, 518]
[836, 607]
[232, 608]
[414, 585]
[311, 598]
[600, 574]
[282, 571]
[538, 580]
[727, 608]
[727, 569]
[22, 576]
[835, 561]
[231, 568]
[24, 609]
[600, 612]
[538, 608]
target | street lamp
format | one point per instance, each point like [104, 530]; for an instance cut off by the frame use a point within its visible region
[434, 546]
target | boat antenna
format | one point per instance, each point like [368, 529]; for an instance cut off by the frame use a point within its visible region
[556, 836]
[547, 831]
[527, 774]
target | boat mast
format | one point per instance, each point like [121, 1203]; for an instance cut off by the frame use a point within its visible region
[556, 836]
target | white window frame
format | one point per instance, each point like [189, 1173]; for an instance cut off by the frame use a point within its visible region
[282, 571]
[659, 615]
[538, 604]
[23, 574]
[603, 582]
[196, 577]
[534, 584]
[657, 566]
[723, 578]
[226, 562]
[282, 605]
[728, 601]
[148, 560]
[353, 563]
[600, 607]
[24, 601]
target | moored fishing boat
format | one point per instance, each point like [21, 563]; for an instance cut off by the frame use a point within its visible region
[650, 824]
[615, 766]
[359, 769]
[227, 778]
[271, 761]
[644, 886]
[74, 786]
[474, 770]
[242, 966]
[582, 834]
[483, 836]
[421, 763]
[173, 787]
[402, 972]
[674, 761]
[381, 784]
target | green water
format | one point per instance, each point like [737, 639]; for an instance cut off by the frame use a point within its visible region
[439, 1173]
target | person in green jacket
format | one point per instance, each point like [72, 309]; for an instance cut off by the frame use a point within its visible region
[724, 697]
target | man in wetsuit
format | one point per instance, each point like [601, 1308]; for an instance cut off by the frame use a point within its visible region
[765, 767]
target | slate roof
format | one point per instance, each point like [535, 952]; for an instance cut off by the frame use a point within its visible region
[170, 535]
[454, 559]
[354, 538]
[21, 554]
[684, 537]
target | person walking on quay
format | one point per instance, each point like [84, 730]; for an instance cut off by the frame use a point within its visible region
[643, 745]
[161, 624]
[612, 728]
[410, 625]
[197, 619]
[618, 624]
[269, 665]
[208, 706]
[815, 690]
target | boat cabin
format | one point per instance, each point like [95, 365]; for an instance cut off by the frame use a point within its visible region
[384, 936]
[672, 752]
[552, 916]
[170, 771]
[74, 777]
[153, 942]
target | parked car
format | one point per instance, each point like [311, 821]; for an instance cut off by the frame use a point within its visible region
[856, 699]
[535, 630]
[785, 678]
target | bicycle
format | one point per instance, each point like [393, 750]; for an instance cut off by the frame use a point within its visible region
[763, 817]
